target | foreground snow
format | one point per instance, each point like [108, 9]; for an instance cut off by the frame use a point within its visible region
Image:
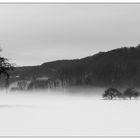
[57, 114]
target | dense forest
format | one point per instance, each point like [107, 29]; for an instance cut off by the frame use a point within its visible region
[119, 68]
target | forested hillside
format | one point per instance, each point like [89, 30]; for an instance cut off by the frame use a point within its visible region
[118, 67]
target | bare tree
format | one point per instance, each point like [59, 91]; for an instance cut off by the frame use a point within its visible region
[110, 93]
[131, 92]
[5, 67]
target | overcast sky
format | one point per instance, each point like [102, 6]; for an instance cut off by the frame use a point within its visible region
[31, 34]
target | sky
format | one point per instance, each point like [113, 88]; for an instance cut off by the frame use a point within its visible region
[31, 34]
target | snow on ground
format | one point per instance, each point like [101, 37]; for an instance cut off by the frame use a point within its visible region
[65, 114]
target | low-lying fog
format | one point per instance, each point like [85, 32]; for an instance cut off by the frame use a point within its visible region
[67, 113]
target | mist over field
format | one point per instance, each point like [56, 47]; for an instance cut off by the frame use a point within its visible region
[69, 69]
[60, 113]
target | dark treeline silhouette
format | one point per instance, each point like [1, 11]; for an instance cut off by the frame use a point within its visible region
[119, 68]
[5, 68]
[112, 93]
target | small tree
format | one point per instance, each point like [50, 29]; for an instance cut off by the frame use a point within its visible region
[129, 92]
[136, 94]
[110, 93]
[5, 67]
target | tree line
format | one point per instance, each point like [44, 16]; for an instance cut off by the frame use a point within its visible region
[116, 68]
[113, 93]
[119, 67]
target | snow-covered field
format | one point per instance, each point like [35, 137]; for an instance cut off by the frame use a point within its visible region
[65, 114]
